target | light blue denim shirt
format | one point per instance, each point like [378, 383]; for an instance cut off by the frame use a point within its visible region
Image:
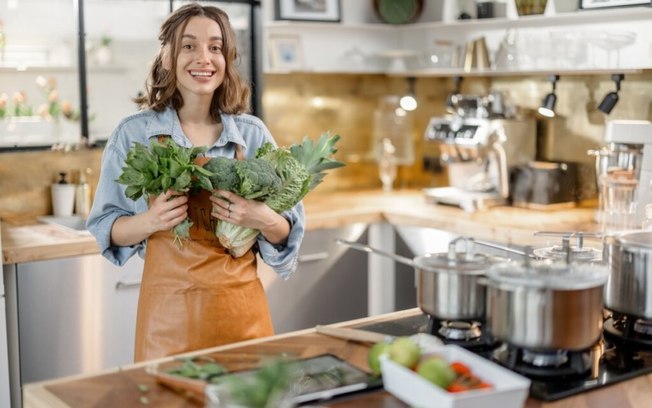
[110, 201]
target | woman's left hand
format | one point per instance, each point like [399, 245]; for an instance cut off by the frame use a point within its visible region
[254, 214]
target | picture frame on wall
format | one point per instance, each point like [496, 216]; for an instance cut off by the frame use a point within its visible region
[308, 10]
[285, 52]
[600, 4]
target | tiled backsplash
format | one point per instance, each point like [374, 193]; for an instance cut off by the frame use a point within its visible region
[309, 104]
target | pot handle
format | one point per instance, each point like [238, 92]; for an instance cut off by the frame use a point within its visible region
[367, 248]
[524, 254]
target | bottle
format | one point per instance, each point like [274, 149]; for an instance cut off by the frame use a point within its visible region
[387, 165]
[83, 196]
[647, 222]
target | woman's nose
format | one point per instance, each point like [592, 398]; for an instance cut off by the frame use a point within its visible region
[203, 55]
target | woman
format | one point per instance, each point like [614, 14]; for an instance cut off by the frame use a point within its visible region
[198, 296]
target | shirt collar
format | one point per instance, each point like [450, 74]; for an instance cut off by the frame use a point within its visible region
[167, 122]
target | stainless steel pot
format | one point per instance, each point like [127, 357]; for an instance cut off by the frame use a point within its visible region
[629, 287]
[546, 305]
[449, 285]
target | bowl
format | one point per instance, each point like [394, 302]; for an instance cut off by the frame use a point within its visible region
[509, 390]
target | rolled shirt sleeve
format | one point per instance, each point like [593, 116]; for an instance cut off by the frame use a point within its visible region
[283, 259]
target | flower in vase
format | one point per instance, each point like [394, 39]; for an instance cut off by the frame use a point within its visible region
[3, 105]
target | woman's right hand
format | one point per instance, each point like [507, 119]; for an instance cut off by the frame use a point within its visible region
[166, 211]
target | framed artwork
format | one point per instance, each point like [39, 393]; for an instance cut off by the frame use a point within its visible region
[285, 52]
[308, 10]
[598, 4]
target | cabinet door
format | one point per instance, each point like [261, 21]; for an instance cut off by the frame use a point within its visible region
[72, 318]
[329, 285]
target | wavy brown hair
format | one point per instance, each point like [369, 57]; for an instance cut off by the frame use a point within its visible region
[232, 96]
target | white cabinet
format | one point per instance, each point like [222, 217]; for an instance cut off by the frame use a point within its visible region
[583, 41]
[4, 354]
[75, 315]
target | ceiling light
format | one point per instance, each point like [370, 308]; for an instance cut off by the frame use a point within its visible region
[547, 108]
[408, 102]
[611, 99]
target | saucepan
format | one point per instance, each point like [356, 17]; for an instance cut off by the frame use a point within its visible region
[546, 304]
[449, 285]
[629, 287]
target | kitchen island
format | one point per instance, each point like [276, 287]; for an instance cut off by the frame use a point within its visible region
[59, 251]
[124, 386]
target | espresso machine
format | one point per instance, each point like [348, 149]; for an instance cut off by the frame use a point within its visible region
[479, 153]
[627, 161]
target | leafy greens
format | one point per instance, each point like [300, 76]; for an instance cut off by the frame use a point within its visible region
[164, 166]
[298, 169]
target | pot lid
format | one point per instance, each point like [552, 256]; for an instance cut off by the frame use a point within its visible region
[476, 264]
[637, 239]
[549, 274]
[577, 254]
[453, 261]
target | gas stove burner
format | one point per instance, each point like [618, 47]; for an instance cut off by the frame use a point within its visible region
[550, 364]
[545, 359]
[643, 327]
[455, 330]
[629, 330]
[469, 334]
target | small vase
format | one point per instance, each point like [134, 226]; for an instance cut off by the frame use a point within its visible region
[103, 55]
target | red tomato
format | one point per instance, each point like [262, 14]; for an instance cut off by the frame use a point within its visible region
[460, 368]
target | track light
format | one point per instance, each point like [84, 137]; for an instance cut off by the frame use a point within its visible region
[611, 99]
[408, 102]
[547, 108]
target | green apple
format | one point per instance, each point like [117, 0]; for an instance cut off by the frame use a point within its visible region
[404, 351]
[437, 371]
[373, 356]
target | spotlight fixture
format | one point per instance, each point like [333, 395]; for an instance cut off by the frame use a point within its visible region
[408, 102]
[547, 108]
[611, 99]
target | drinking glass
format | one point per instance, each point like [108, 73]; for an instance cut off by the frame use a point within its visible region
[619, 203]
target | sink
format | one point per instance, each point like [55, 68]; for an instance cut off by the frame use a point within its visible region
[73, 222]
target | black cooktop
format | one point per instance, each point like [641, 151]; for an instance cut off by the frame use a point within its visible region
[615, 361]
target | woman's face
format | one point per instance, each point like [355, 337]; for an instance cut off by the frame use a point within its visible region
[200, 63]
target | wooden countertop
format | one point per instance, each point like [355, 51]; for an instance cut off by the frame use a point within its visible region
[121, 386]
[507, 225]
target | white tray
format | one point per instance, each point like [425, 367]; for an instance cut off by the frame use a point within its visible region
[510, 390]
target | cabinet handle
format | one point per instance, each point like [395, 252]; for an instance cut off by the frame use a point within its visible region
[318, 256]
[127, 285]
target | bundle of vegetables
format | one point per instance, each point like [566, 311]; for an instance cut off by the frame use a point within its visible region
[298, 170]
[161, 167]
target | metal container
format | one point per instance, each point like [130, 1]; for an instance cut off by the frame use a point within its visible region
[546, 305]
[629, 287]
[450, 285]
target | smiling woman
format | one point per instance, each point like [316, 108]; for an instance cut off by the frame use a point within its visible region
[198, 296]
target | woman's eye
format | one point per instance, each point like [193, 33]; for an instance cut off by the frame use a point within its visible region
[187, 46]
[216, 48]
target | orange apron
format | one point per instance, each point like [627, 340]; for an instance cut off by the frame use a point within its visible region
[197, 296]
